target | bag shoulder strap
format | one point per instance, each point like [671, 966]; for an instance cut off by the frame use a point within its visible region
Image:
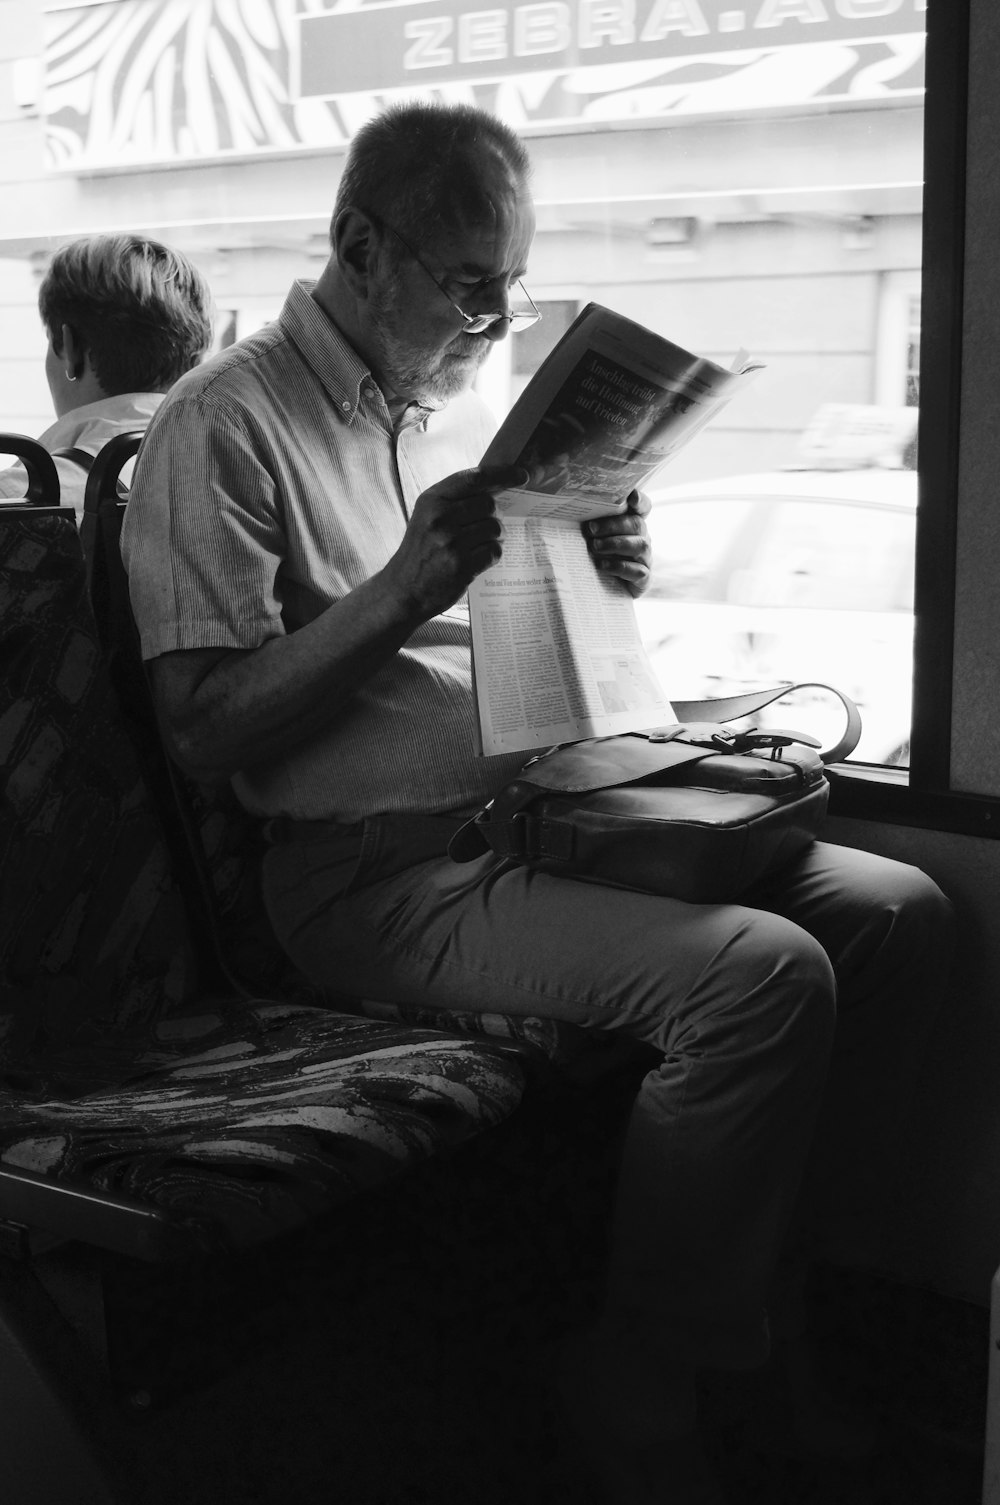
[730, 707]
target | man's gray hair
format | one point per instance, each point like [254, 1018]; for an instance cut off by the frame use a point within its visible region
[416, 161]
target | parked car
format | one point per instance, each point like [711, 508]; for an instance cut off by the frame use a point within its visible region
[788, 576]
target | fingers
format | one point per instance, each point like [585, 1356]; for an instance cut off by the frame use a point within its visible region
[621, 536]
[630, 547]
[463, 528]
[634, 572]
[612, 553]
[638, 506]
[460, 513]
[619, 545]
[482, 482]
[463, 500]
[480, 540]
[618, 525]
[452, 536]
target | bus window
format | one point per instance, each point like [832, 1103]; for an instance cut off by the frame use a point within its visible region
[745, 177]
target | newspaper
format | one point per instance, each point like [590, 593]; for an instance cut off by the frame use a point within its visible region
[556, 650]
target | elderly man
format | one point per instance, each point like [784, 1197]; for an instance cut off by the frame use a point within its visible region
[306, 518]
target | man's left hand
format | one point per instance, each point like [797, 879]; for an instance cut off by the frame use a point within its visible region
[619, 544]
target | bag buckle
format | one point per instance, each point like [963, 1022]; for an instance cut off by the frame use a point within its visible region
[752, 739]
[719, 738]
[727, 741]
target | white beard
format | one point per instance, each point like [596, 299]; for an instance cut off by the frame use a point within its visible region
[408, 369]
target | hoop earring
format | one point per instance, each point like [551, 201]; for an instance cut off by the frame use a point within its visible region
[69, 377]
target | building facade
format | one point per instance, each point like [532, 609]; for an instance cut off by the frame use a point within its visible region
[733, 173]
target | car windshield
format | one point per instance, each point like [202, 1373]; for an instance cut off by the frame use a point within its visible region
[692, 543]
[789, 576]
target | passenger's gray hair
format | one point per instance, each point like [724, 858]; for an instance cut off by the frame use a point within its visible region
[142, 311]
[417, 161]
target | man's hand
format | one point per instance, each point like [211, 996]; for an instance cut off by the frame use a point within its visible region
[452, 536]
[619, 544]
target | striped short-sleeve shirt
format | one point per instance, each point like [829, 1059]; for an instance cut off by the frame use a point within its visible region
[271, 483]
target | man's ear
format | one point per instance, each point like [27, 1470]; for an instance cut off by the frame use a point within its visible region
[356, 245]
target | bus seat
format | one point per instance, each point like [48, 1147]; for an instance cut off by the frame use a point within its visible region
[42, 486]
[223, 843]
[147, 1110]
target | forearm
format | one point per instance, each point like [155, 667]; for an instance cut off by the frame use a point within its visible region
[226, 709]
[223, 710]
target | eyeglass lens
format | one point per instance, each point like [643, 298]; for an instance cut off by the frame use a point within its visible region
[521, 316]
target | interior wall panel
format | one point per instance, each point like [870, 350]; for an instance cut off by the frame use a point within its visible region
[975, 745]
[949, 1235]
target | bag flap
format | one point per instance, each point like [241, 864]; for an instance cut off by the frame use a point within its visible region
[630, 758]
[601, 762]
[577, 768]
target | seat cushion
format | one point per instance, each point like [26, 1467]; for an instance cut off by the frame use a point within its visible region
[245, 1123]
[562, 1045]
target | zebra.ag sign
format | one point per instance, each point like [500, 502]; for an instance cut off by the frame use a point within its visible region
[424, 44]
[129, 82]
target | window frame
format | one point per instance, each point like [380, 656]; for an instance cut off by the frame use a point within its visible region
[926, 797]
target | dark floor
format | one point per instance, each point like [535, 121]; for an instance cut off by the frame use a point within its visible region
[448, 1409]
[401, 1360]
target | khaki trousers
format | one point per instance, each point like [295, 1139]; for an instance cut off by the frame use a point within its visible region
[789, 1026]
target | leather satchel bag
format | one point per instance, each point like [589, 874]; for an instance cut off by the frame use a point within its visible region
[694, 810]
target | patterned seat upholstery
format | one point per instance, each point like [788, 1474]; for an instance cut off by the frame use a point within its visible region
[245, 1123]
[118, 1073]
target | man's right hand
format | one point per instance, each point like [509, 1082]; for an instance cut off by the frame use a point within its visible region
[216, 703]
[452, 536]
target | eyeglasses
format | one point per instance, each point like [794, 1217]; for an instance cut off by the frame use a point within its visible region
[521, 316]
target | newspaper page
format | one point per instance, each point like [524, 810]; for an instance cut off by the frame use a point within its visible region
[610, 405]
[556, 649]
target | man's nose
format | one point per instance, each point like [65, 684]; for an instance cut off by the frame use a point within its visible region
[499, 329]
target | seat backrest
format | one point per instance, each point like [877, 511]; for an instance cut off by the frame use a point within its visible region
[217, 845]
[42, 488]
[103, 484]
[94, 939]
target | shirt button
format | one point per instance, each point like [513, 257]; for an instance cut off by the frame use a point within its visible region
[346, 406]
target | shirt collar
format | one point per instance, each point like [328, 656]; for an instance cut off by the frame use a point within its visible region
[335, 362]
[128, 409]
[342, 372]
